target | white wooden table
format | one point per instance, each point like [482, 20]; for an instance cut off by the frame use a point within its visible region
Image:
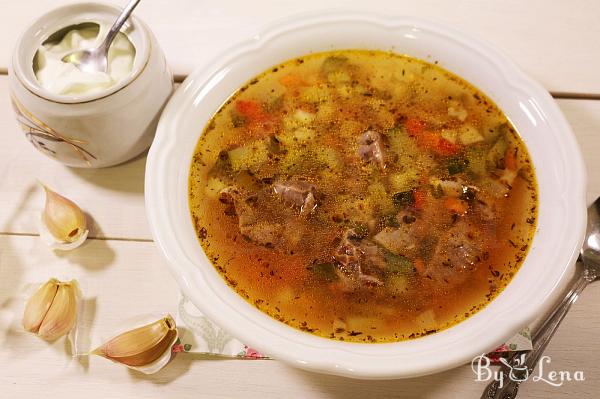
[558, 43]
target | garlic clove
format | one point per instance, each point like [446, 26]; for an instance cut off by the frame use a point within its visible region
[63, 219]
[53, 243]
[142, 347]
[62, 315]
[38, 305]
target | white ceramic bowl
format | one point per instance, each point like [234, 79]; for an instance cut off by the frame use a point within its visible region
[558, 163]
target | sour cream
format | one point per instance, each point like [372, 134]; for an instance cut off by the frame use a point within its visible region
[65, 78]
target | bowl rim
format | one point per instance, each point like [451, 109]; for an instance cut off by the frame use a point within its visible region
[158, 217]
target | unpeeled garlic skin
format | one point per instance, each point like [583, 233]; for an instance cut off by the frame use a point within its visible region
[140, 346]
[62, 217]
[62, 315]
[38, 305]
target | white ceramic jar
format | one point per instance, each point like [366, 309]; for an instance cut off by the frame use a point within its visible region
[90, 130]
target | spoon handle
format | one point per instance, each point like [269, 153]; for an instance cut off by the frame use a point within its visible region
[119, 23]
[521, 366]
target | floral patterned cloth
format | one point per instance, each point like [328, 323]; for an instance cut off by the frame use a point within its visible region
[197, 334]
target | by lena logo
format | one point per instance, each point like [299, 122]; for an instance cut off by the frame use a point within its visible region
[519, 372]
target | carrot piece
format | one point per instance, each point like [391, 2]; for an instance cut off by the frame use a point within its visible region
[437, 144]
[414, 127]
[510, 161]
[292, 80]
[420, 196]
[250, 109]
[445, 147]
[455, 205]
[419, 265]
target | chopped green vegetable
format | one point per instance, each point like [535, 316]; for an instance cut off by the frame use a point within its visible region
[237, 120]
[496, 154]
[249, 156]
[325, 271]
[333, 64]
[457, 165]
[274, 104]
[397, 263]
[499, 131]
[222, 165]
[275, 145]
[338, 77]
[390, 221]
[404, 198]
[360, 230]
[477, 159]
[404, 181]
[427, 247]
[397, 283]
[436, 190]
[468, 194]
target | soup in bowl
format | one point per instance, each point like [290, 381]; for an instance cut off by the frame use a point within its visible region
[387, 202]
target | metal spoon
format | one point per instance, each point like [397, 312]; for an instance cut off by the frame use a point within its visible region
[96, 59]
[521, 365]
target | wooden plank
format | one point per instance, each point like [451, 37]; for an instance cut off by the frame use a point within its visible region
[124, 279]
[114, 199]
[556, 42]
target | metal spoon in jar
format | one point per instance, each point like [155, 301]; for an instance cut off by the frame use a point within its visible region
[521, 365]
[96, 59]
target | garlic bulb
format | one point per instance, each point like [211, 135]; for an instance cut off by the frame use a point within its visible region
[51, 312]
[146, 348]
[62, 224]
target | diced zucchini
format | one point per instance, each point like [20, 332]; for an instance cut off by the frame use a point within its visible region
[338, 77]
[344, 91]
[328, 156]
[315, 94]
[397, 283]
[249, 156]
[395, 240]
[476, 157]
[403, 181]
[469, 134]
[398, 264]
[326, 111]
[237, 120]
[380, 196]
[496, 153]
[457, 165]
[404, 198]
[360, 230]
[491, 135]
[334, 63]
[466, 135]
[390, 220]
[324, 271]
